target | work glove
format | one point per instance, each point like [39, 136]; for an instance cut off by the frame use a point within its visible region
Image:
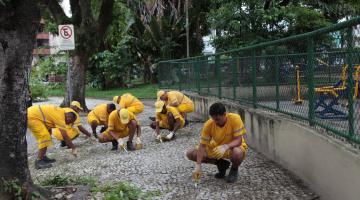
[74, 152]
[219, 151]
[170, 135]
[158, 137]
[138, 144]
[121, 143]
[197, 172]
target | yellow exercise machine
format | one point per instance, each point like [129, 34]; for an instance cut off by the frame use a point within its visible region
[297, 100]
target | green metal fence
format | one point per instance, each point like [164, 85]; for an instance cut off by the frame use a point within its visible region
[313, 77]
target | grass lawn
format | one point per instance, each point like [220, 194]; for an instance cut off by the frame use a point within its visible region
[147, 91]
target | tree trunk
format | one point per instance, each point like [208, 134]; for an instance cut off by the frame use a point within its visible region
[19, 21]
[76, 80]
[147, 73]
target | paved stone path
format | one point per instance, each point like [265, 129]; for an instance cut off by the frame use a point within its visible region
[164, 167]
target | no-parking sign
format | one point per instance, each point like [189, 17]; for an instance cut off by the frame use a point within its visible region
[66, 35]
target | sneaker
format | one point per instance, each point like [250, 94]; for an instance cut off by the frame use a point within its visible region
[115, 145]
[40, 164]
[233, 176]
[130, 146]
[48, 160]
[152, 118]
[222, 166]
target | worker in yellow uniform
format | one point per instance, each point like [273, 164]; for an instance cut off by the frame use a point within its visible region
[99, 117]
[221, 140]
[178, 100]
[130, 102]
[40, 120]
[122, 123]
[77, 126]
[167, 117]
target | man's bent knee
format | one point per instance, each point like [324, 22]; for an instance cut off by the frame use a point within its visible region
[237, 154]
[191, 154]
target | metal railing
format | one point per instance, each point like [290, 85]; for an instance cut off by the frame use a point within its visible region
[312, 76]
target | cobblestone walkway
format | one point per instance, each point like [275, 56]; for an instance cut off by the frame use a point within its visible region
[164, 167]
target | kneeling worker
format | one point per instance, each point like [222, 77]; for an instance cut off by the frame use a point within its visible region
[99, 116]
[221, 139]
[43, 118]
[167, 117]
[122, 123]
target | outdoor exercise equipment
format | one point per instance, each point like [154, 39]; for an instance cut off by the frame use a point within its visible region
[297, 100]
[329, 98]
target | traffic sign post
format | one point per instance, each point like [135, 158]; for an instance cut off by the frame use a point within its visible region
[66, 35]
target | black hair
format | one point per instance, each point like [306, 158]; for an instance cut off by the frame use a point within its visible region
[111, 106]
[73, 115]
[217, 109]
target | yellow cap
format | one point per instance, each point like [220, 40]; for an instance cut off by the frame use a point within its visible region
[76, 104]
[115, 99]
[124, 116]
[159, 106]
[160, 93]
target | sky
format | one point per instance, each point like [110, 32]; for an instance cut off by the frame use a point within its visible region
[65, 4]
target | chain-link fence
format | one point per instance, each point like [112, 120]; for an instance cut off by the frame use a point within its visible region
[313, 77]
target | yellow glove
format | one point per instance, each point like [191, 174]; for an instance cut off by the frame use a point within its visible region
[74, 152]
[158, 137]
[121, 143]
[219, 151]
[138, 144]
[197, 173]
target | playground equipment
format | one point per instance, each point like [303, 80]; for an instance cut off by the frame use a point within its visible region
[329, 98]
[357, 82]
[297, 100]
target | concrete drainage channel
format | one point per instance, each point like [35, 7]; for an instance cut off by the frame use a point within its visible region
[164, 167]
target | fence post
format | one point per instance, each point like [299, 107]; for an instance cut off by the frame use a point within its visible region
[277, 79]
[234, 77]
[311, 86]
[207, 75]
[218, 74]
[179, 72]
[197, 75]
[253, 72]
[349, 41]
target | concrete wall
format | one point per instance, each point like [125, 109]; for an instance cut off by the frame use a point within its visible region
[330, 167]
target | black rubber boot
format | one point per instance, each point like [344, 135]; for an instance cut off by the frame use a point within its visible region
[115, 145]
[186, 122]
[63, 144]
[130, 146]
[233, 176]
[222, 166]
[102, 129]
[48, 160]
[40, 164]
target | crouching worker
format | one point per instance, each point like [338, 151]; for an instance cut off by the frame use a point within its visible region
[76, 126]
[167, 117]
[43, 118]
[130, 102]
[99, 117]
[221, 140]
[122, 123]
